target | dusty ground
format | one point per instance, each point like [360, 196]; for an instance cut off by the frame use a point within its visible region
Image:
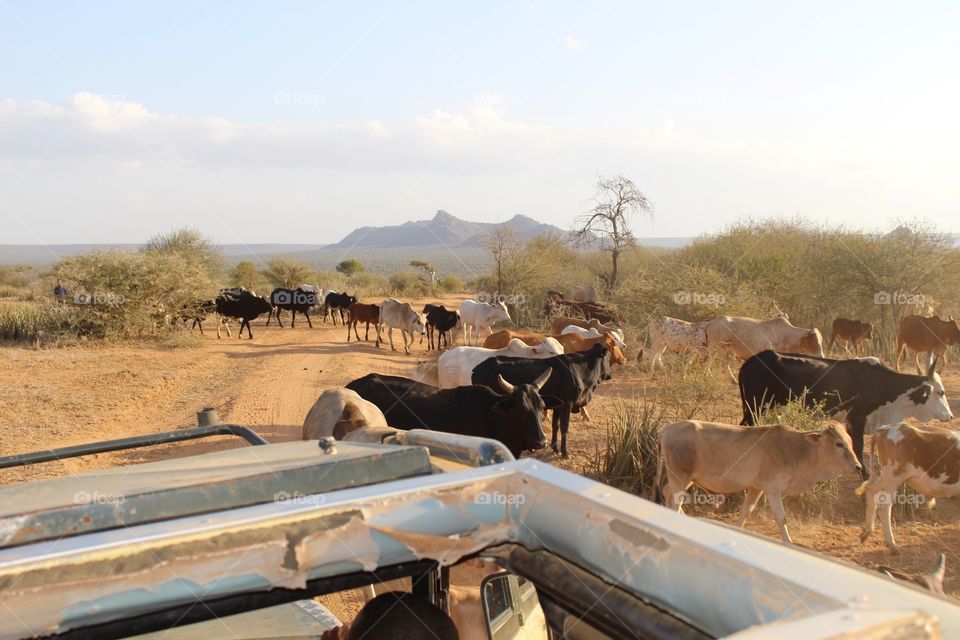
[56, 397]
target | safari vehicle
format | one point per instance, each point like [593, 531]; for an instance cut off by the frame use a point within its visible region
[245, 543]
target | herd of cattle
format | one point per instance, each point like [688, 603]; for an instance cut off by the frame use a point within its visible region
[503, 389]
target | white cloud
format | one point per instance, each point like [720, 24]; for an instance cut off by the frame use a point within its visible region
[573, 44]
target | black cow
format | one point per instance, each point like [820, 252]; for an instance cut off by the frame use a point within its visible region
[295, 301]
[574, 380]
[867, 393]
[441, 320]
[242, 304]
[515, 419]
[337, 303]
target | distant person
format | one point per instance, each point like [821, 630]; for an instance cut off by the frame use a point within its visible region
[396, 615]
[60, 293]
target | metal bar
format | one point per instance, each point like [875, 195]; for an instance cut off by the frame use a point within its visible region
[468, 450]
[203, 609]
[133, 442]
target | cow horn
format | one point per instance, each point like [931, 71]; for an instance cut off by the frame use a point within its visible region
[933, 367]
[542, 379]
[506, 386]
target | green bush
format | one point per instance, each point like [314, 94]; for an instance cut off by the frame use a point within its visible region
[408, 284]
[450, 284]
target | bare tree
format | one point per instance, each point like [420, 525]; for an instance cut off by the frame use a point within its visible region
[503, 243]
[608, 222]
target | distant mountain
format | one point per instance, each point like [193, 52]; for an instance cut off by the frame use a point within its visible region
[443, 230]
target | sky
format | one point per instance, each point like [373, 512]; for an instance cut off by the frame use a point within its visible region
[298, 122]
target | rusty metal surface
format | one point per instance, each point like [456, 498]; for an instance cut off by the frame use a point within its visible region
[723, 581]
[125, 496]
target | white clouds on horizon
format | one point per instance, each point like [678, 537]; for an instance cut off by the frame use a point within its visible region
[106, 153]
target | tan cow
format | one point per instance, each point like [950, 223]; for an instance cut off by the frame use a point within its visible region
[776, 460]
[927, 458]
[339, 411]
[746, 337]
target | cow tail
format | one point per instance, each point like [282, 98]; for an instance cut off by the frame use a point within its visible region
[657, 490]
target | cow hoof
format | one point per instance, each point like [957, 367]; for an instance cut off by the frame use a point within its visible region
[564, 455]
[864, 536]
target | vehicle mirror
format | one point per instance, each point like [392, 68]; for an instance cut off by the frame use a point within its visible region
[511, 609]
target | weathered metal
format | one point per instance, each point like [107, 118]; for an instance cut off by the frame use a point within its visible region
[723, 581]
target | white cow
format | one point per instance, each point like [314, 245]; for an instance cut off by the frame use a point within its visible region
[339, 411]
[616, 334]
[676, 335]
[400, 315]
[480, 315]
[455, 367]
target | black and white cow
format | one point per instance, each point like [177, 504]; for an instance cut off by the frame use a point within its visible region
[860, 391]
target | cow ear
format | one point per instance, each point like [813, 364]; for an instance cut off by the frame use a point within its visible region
[814, 438]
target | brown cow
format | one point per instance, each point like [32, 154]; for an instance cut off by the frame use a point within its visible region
[927, 458]
[360, 312]
[930, 335]
[850, 332]
[776, 460]
[571, 342]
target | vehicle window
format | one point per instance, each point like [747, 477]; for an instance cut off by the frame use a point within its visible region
[498, 598]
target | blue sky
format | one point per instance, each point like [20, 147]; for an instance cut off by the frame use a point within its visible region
[296, 122]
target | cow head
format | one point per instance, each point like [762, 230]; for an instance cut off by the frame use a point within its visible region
[929, 400]
[501, 312]
[834, 449]
[520, 415]
[810, 344]
[953, 332]
[418, 325]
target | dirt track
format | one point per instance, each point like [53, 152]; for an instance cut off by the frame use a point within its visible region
[55, 397]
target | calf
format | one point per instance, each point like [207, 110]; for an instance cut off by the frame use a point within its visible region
[570, 388]
[359, 312]
[679, 336]
[480, 315]
[850, 332]
[775, 460]
[927, 458]
[455, 367]
[299, 300]
[400, 315]
[441, 321]
[515, 419]
[862, 392]
[337, 304]
[339, 411]
[242, 304]
[930, 335]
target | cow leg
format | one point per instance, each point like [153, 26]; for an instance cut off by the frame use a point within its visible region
[584, 416]
[390, 335]
[916, 359]
[366, 334]
[564, 428]
[406, 346]
[309, 323]
[293, 319]
[554, 424]
[749, 504]
[886, 513]
[856, 425]
[779, 514]
[869, 490]
[901, 347]
[675, 491]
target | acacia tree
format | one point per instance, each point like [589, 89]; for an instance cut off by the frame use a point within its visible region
[503, 244]
[429, 273]
[617, 201]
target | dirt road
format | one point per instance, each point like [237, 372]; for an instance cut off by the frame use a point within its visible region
[56, 397]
